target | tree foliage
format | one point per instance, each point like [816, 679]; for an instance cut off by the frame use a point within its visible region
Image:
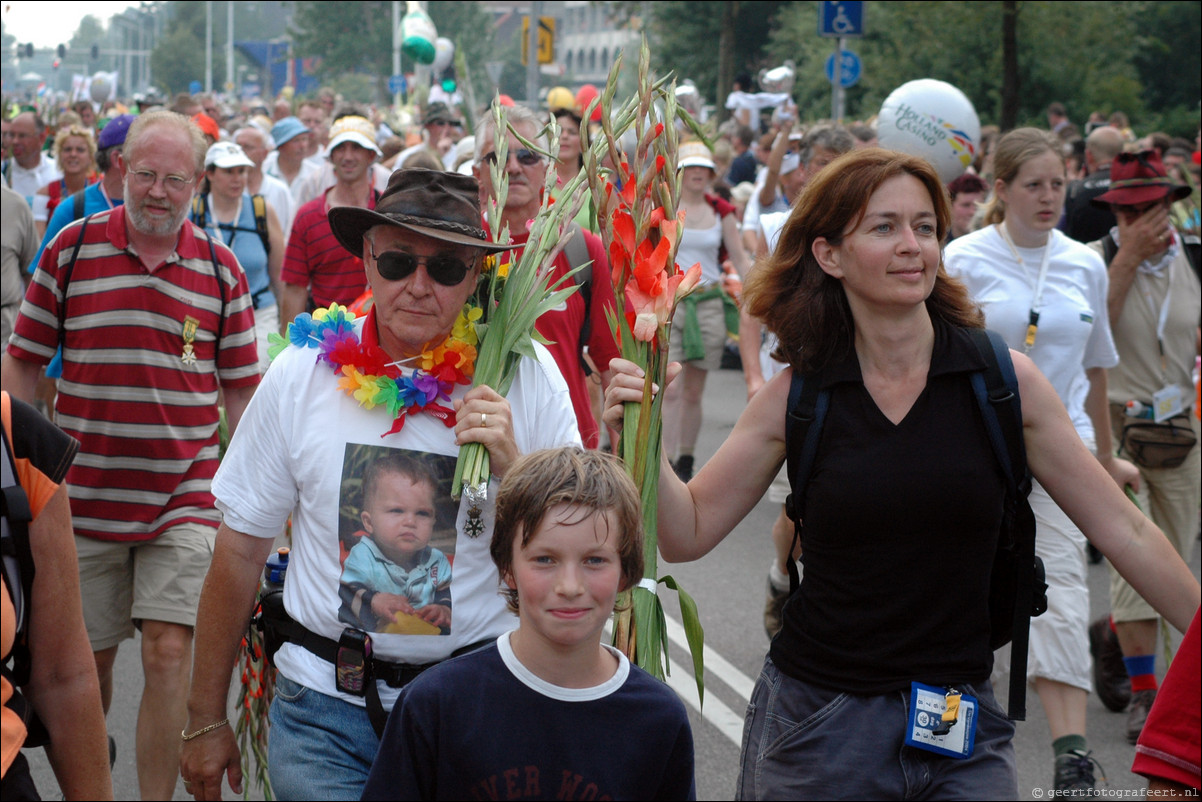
[90, 32]
[1142, 58]
[179, 56]
[688, 37]
[357, 37]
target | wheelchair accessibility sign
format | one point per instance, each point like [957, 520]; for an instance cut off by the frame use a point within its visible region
[841, 19]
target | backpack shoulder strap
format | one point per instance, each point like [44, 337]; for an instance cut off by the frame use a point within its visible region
[14, 546]
[200, 215]
[804, 416]
[996, 391]
[64, 279]
[77, 204]
[576, 251]
[221, 288]
[259, 205]
[1109, 249]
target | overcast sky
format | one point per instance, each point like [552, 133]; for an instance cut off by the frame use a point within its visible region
[52, 24]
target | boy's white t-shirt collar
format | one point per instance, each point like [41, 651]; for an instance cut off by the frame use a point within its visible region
[539, 685]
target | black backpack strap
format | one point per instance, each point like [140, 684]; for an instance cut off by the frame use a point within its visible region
[804, 415]
[18, 564]
[64, 280]
[77, 205]
[1109, 249]
[221, 289]
[996, 391]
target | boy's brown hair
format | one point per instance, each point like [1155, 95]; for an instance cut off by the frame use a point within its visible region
[593, 480]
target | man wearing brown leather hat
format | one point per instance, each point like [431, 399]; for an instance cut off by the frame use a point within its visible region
[390, 391]
[1153, 303]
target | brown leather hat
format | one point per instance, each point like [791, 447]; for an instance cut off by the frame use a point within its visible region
[444, 206]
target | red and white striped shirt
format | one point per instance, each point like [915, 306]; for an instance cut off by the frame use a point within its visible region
[316, 260]
[145, 415]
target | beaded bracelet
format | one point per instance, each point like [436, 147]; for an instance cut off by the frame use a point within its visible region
[189, 736]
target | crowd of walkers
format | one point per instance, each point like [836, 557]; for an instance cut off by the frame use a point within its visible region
[185, 389]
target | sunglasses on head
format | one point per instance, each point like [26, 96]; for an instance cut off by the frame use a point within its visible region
[526, 158]
[447, 270]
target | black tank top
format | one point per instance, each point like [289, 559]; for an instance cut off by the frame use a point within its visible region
[901, 526]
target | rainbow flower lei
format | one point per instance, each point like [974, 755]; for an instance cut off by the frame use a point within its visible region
[370, 376]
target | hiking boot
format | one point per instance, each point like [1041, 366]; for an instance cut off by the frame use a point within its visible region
[684, 467]
[1137, 714]
[1074, 775]
[1109, 672]
[773, 609]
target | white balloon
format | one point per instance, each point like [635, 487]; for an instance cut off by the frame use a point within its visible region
[933, 120]
[101, 88]
[444, 51]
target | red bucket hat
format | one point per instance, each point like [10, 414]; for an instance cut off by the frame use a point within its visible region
[1137, 178]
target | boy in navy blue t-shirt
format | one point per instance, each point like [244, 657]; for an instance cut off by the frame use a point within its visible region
[548, 711]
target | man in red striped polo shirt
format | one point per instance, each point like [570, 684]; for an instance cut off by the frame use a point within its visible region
[317, 270]
[154, 319]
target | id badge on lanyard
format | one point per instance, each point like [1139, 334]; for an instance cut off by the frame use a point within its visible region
[942, 720]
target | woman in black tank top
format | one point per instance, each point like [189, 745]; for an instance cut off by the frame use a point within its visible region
[857, 295]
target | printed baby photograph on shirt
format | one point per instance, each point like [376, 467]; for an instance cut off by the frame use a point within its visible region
[397, 531]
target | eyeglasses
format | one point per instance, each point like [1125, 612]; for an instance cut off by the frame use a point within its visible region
[145, 179]
[396, 265]
[526, 158]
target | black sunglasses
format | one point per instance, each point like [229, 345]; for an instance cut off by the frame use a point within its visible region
[396, 265]
[526, 158]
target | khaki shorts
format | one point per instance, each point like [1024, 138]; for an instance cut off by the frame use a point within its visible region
[711, 316]
[123, 584]
[1169, 496]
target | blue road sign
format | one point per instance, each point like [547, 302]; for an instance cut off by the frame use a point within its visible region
[396, 84]
[841, 18]
[194, 87]
[849, 69]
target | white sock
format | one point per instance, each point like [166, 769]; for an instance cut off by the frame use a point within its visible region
[778, 578]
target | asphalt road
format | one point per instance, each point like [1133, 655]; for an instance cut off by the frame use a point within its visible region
[728, 585]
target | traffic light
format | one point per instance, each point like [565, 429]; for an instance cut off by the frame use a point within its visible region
[62, 51]
[28, 50]
[57, 63]
[95, 52]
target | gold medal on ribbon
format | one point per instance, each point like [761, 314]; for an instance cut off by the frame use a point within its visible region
[191, 324]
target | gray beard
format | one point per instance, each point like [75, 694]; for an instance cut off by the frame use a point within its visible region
[161, 228]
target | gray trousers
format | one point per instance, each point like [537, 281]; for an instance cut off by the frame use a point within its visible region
[802, 741]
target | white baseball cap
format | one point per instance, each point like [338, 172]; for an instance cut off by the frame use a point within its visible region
[353, 129]
[694, 154]
[226, 155]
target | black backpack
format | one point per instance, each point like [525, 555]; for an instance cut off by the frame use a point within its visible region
[18, 569]
[1017, 588]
